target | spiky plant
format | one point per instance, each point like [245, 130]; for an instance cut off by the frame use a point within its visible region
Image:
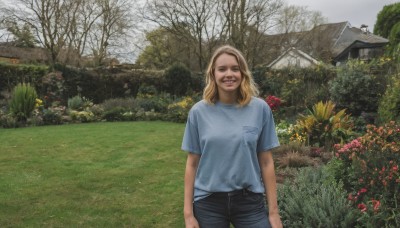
[324, 126]
[23, 101]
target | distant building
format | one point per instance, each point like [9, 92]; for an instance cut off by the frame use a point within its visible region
[333, 43]
[294, 58]
[14, 55]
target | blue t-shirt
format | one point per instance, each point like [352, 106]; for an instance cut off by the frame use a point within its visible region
[228, 138]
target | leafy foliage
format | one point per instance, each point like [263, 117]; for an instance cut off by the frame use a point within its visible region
[386, 19]
[324, 126]
[178, 79]
[23, 101]
[371, 173]
[312, 201]
[356, 89]
[389, 106]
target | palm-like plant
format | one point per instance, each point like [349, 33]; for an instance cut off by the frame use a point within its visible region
[324, 126]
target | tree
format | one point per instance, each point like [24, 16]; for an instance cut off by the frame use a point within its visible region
[113, 23]
[388, 25]
[294, 18]
[193, 22]
[23, 36]
[165, 49]
[66, 27]
[386, 19]
[208, 23]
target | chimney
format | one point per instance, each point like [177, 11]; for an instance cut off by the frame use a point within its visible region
[364, 28]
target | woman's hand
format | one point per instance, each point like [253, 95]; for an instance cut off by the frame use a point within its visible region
[191, 222]
[275, 221]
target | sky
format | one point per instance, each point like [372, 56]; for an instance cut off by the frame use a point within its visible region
[356, 12]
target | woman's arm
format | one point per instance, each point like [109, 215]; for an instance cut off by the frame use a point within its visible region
[192, 163]
[268, 175]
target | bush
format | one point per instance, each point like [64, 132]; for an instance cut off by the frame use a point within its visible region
[178, 111]
[154, 103]
[311, 200]
[115, 114]
[371, 173]
[323, 126]
[355, 89]
[82, 116]
[128, 104]
[294, 160]
[389, 106]
[53, 89]
[178, 79]
[23, 101]
[79, 103]
[53, 115]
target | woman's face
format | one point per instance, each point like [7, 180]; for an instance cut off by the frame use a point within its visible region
[227, 74]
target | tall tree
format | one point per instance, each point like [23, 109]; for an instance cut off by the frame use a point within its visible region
[114, 21]
[388, 25]
[212, 22]
[165, 49]
[192, 21]
[78, 27]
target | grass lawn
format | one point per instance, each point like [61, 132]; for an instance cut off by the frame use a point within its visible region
[126, 174]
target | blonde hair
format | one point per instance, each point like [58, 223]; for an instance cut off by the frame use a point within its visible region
[248, 87]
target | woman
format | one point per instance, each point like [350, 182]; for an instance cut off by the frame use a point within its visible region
[228, 137]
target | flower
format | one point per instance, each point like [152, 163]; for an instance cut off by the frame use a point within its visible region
[376, 204]
[273, 102]
[362, 207]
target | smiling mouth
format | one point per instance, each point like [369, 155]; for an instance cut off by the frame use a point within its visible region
[229, 81]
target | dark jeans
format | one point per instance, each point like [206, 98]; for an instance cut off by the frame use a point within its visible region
[242, 208]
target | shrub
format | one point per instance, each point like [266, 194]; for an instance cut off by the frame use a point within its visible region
[355, 89]
[371, 172]
[79, 103]
[311, 200]
[323, 126]
[82, 116]
[23, 101]
[156, 103]
[127, 104]
[115, 114]
[178, 79]
[389, 106]
[294, 160]
[178, 111]
[53, 115]
[53, 89]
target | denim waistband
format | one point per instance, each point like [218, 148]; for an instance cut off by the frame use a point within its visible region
[234, 193]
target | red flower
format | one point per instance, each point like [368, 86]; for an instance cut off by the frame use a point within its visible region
[376, 204]
[362, 207]
[363, 190]
[273, 102]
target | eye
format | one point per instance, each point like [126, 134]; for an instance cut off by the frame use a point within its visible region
[235, 69]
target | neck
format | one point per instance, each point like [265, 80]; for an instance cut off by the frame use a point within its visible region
[228, 98]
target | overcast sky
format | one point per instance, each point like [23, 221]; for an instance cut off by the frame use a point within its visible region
[356, 12]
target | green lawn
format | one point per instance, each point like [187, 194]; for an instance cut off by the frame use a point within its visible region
[127, 174]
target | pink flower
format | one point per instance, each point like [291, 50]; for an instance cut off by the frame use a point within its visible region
[376, 204]
[362, 207]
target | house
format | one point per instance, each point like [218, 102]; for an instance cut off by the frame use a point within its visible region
[333, 43]
[14, 55]
[293, 58]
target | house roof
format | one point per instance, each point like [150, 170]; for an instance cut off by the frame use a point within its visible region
[24, 54]
[326, 41]
[295, 52]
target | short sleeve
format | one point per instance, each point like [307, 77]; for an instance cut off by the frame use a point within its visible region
[191, 141]
[268, 138]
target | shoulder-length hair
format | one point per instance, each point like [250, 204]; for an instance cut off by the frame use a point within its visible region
[248, 87]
